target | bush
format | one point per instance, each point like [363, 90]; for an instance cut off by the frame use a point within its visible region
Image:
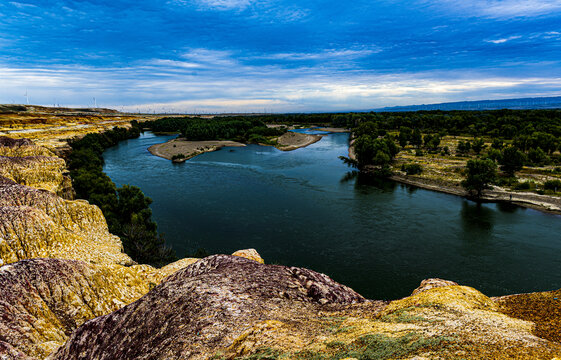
[526, 185]
[257, 139]
[412, 169]
[554, 185]
[178, 157]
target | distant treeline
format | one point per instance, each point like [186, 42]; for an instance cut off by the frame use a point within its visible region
[238, 128]
[496, 123]
[126, 209]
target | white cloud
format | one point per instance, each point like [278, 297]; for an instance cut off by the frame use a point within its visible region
[22, 5]
[519, 8]
[503, 40]
[322, 55]
[499, 9]
[221, 5]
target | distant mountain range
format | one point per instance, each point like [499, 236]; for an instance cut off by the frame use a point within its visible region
[524, 103]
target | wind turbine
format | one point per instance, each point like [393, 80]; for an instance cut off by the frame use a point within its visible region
[26, 96]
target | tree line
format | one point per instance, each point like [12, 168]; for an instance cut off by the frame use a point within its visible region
[126, 209]
[247, 129]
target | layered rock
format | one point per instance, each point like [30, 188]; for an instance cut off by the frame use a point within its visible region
[32, 165]
[43, 300]
[38, 223]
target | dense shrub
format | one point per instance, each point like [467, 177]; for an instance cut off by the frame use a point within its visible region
[412, 169]
[552, 185]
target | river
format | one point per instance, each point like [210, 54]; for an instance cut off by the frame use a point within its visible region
[300, 208]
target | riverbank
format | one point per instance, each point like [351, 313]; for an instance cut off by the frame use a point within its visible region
[189, 149]
[441, 174]
[545, 203]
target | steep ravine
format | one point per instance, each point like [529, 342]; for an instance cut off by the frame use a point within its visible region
[69, 292]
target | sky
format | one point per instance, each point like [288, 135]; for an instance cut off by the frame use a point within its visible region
[211, 56]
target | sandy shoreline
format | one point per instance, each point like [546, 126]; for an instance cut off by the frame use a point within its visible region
[545, 203]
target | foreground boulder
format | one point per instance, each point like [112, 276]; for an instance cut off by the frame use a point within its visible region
[204, 308]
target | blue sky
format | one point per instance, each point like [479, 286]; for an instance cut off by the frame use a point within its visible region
[276, 55]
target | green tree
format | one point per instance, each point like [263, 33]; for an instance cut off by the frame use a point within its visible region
[538, 157]
[374, 151]
[432, 141]
[478, 145]
[497, 144]
[404, 135]
[463, 147]
[416, 138]
[512, 160]
[480, 174]
[366, 128]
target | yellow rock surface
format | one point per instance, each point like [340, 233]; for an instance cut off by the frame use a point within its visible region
[250, 254]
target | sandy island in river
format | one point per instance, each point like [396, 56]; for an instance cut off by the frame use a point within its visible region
[190, 149]
[293, 140]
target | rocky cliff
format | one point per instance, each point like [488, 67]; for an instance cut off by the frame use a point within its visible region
[69, 292]
[32, 165]
[43, 300]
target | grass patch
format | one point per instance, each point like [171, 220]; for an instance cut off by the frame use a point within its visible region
[380, 347]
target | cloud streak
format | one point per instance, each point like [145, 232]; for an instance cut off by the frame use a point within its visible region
[164, 86]
[240, 55]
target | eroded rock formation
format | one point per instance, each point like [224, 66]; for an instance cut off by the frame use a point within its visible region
[43, 300]
[38, 223]
[32, 165]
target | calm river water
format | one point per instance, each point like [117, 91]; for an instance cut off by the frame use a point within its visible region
[297, 209]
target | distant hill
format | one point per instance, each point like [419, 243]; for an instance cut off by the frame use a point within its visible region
[16, 108]
[517, 104]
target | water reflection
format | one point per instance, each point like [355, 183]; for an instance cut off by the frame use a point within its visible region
[508, 207]
[364, 181]
[476, 217]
